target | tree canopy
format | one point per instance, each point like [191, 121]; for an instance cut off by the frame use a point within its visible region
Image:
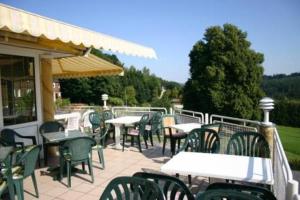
[225, 74]
[135, 88]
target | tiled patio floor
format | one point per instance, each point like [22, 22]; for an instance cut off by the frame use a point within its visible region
[118, 163]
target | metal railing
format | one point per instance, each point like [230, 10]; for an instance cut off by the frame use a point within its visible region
[285, 187]
[189, 116]
[121, 111]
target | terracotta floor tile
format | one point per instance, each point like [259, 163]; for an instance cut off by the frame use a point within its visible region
[71, 195]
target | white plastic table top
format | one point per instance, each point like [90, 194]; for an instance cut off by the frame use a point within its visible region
[186, 127]
[119, 122]
[124, 120]
[239, 168]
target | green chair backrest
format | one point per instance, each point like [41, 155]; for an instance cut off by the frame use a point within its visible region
[156, 122]
[7, 136]
[172, 187]
[128, 188]
[107, 115]
[143, 122]
[51, 126]
[215, 126]
[260, 192]
[96, 120]
[220, 194]
[202, 140]
[28, 160]
[78, 148]
[248, 144]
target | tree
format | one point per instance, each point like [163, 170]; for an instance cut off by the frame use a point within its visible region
[225, 74]
[129, 96]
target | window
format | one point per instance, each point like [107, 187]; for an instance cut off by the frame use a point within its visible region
[18, 89]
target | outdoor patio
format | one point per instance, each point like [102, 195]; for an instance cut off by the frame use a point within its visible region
[117, 163]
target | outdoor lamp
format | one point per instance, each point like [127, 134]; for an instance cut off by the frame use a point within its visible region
[266, 104]
[104, 99]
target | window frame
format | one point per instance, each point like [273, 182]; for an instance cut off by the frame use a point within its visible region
[17, 51]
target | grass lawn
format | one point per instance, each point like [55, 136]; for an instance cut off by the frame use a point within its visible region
[290, 138]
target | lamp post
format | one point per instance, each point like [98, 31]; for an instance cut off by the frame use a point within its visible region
[267, 127]
[266, 104]
[104, 99]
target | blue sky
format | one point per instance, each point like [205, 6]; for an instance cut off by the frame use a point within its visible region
[172, 27]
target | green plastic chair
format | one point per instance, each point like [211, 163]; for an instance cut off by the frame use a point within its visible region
[6, 177]
[128, 188]
[172, 187]
[139, 131]
[260, 192]
[48, 127]
[8, 138]
[219, 194]
[96, 120]
[248, 144]
[76, 151]
[100, 144]
[155, 124]
[202, 140]
[25, 168]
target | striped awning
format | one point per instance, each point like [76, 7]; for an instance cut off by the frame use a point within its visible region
[83, 66]
[19, 21]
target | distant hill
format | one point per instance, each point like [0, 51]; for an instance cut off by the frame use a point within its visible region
[282, 86]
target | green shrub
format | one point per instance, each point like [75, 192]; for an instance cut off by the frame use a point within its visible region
[115, 101]
[286, 112]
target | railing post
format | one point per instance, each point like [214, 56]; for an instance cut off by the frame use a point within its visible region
[266, 127]
[291, 190]
[206, 118]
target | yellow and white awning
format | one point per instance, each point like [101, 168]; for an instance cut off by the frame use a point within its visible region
[83, 66]
[19, 21]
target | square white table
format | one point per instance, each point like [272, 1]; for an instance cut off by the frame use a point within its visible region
[186, 127]
[118, 123]
[239, 168]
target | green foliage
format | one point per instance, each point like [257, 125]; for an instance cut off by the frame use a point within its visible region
[59, 103]
[141, 86]
[225, 74]
[129, 96]
[115, 101]
[286, 112]
[163, 102]
[282, 86]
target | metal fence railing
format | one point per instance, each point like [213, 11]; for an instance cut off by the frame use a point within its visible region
[285, 187]
[136, 111]
[188, 116]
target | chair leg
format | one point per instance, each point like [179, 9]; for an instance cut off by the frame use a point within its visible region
[190, 179]
[61, 167]
[173, 146]
[91, 169]
[83, 166]
[145, 140]
[45, 155]
[158, 136]
[123, 141]
[151, 138]
[178, 144]
[19, 189]
[35, 185]
[101, 157]
[139, 143]
[164, 145]
[69, 173]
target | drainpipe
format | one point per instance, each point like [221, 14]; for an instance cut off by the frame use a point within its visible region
[266, 127]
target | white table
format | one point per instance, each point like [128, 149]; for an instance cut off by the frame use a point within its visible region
[118, 123]
[239, 168]
[187, 127]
